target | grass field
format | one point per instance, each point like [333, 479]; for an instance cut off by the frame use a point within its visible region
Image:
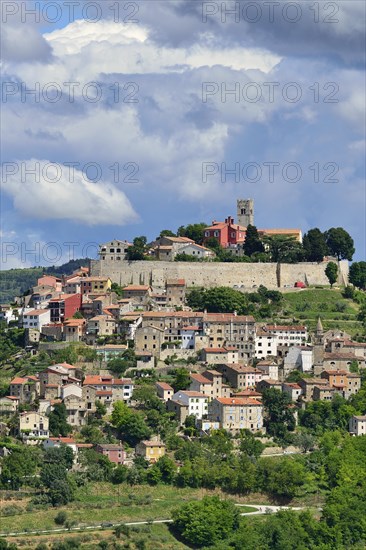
[334, 310]
[103, 502]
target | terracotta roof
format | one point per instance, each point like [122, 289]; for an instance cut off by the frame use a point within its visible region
[164, 386]
[237, 401]
[175, 282]
[335, 372]
[96, 278]
[63, 297]
[36, 312]
[74, 322]
[192, 327]
[192, 393]
[214, 350]
[287, 327]
[12, 397]
[64, 440]
[103, 392]
[292, 385]
[247, 393]
[242, 368]
[92, 380]
[201, 379]
[18, 380]
[228, 317]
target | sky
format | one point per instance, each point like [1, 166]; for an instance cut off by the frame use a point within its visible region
[122, 119]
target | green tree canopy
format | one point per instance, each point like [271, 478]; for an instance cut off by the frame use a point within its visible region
[58, 421]
[206, 522]
[195, 231]
[340, 243]
[315, 246]
[357, 274]
[331, 272]
[279, 414]
[252, 242]
[284, 248]
[138, 250]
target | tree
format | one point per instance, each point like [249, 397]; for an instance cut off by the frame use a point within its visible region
[284, 248]
[340, 243]
[166, 233]
[181, 379]
[354, 367]
[315, 246]
[331, 272]
[194, 231]
[138, 250]
[279, 415]
[282, 478]
[58, 421]
[206, 522]
[17, 466]
[250, 445]
[252, 242]
[357, 275]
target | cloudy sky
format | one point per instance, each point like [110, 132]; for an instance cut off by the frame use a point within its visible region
[150, 115]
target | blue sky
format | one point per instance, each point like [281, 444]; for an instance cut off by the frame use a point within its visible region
[143, 140]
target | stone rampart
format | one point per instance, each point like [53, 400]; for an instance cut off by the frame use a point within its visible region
[197, 274]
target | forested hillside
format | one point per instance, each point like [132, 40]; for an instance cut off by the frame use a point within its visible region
[15, 282]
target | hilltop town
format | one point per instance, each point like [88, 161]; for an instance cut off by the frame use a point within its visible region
[163, 381]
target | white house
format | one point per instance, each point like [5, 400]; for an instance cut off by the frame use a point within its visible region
[265, 344]
[193, 249]
[197, 402]
[33, 425]
[357, 425]
[36, 318]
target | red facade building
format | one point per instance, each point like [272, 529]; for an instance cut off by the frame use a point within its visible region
[64, 307]
[227, 232]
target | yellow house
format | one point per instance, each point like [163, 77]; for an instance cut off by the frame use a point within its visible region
[150, 450]
[95, 285]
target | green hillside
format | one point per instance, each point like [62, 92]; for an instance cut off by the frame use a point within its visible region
[334, 310]
[15, 282]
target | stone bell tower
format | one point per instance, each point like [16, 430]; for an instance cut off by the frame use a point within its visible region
[245, 212]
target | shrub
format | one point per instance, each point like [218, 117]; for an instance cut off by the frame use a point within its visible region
[60, 518]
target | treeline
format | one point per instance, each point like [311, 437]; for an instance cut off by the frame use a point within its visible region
[263, 304]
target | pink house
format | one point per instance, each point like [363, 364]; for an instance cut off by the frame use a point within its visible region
[114, 451]
[50, 280]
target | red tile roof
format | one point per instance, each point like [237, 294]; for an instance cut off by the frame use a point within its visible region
[164, 386]
[201, 379]
[237, 401]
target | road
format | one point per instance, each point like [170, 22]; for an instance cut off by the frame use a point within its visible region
[261, 509]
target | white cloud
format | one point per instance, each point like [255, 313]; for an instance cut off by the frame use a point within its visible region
[60, 193]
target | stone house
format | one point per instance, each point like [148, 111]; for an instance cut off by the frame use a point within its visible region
[26, 388]
[175, 292]
[9, 404]
[292, 390]
[324, 393]
[240, 376]
[74, 330]
[235, 414]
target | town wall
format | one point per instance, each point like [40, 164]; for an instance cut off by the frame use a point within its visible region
[211, 274]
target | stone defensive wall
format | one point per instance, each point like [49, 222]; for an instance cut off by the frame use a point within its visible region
[199, 274]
